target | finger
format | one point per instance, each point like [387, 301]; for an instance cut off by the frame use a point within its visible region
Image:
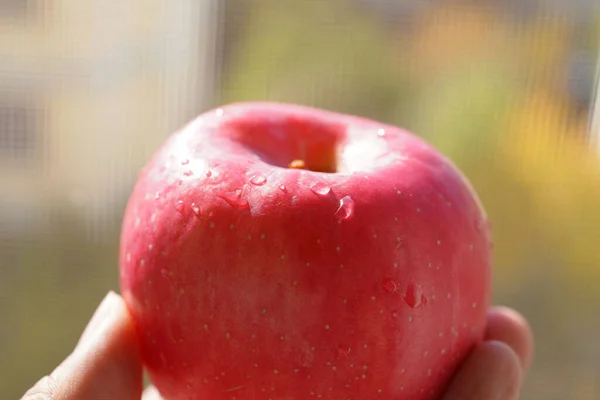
[508, 326]
[106, 363]
[151, 393]
[492, 371]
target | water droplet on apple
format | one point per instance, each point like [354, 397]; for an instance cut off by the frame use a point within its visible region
[346, 209]
[258, 180]
[179, 206]
[189, 172]
[196, 210]
[413, 296]
[381, 132]
[208, 173]
[283, 188]
[234, 199]
[320, 189]
[389, 285]
[185, 161]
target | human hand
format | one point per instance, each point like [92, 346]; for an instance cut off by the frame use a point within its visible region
[106, 363]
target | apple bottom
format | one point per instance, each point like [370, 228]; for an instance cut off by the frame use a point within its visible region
[240, 382]
[353, 358]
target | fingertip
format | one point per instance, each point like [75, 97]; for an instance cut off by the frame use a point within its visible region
[508, 326]
[105, 313]
[492, 371]
[110, 359]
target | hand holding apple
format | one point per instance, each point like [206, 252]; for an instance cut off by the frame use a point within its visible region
[106, 363]
[273, 251]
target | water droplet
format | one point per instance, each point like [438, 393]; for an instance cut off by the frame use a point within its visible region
[196, 210]
[189, 172]
[389, 285]
[346, 209]
[381, 132]
[219, 112]
[179, 206]
[258, 180]
[156, 195]
[185, 161]
[283, 188]
[321, 189]
[234, 199]
[208, 173]
[414, 295]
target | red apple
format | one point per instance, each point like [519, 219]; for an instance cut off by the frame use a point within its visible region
[274, 251]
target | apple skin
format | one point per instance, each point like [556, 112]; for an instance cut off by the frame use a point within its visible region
[249, 280]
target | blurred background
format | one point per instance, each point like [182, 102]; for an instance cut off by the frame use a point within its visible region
[505, 88]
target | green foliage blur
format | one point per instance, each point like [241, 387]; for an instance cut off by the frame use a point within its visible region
[493, 93]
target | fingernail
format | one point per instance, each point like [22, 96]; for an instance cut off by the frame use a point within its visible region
[100, 320]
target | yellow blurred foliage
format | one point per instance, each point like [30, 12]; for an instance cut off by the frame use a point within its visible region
[546, 148]
[542, 47]
[450, 34]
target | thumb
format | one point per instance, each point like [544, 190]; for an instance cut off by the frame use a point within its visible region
[106, 363]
